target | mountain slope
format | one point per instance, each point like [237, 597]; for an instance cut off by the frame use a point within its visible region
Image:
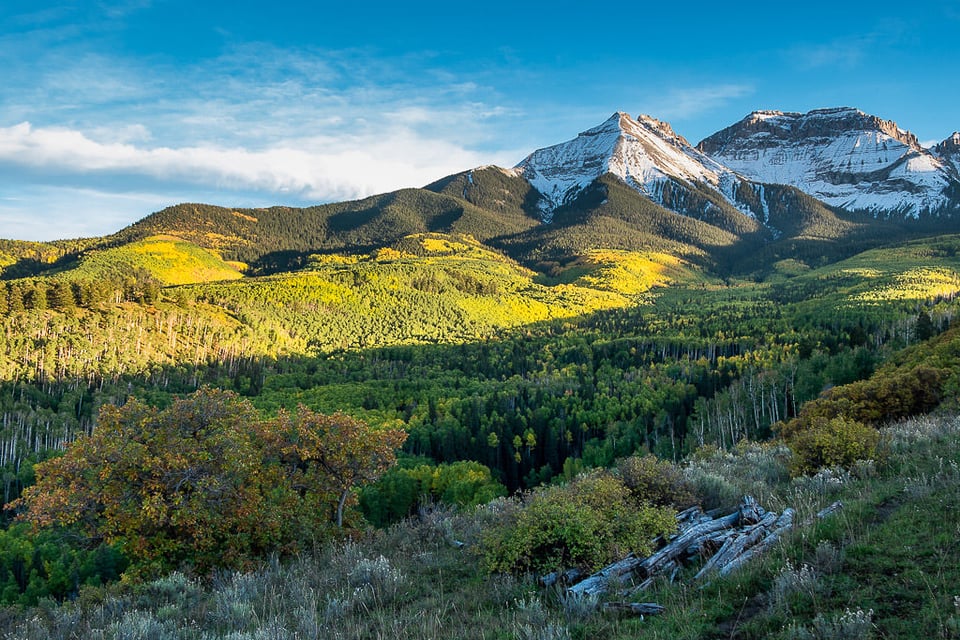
[492, 189]
[609, 213]
[280, 238]
[627, 184]
[841, 156]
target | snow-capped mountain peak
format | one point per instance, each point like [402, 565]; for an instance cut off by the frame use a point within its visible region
[645, 153]
[842, 156]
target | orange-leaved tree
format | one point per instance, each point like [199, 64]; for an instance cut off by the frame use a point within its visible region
[335, 452]
[206, 481]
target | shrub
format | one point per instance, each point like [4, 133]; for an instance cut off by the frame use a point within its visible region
[403, 489]
[656, 481]
[885, 397]
[849, 625]
[585, 524]
[835, 442]
[713, 490]
[792, 582]
[720, 478]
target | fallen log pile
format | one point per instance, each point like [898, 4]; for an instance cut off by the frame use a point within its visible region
[726, 542]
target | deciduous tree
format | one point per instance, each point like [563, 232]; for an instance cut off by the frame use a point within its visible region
[207, 481]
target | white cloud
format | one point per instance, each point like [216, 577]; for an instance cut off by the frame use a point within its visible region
[321, 168]
[844, 54]
[121, 8]
[258, 123]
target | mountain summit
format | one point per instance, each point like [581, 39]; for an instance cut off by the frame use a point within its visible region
[949, 150]
[842, 156]
[645, 153]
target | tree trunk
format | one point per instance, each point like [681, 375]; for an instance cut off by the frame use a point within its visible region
[340, 505]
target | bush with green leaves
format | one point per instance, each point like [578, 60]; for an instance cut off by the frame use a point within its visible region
[415, 482]
[207, 482]
[656, 481]
[834, 442]
[589, 522]
[48, 566]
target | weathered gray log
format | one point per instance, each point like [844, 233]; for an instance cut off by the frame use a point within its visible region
[737, 544]
[689, 541]
[833, 508]
[823, 513]
[713, 541]
[673, 574]
[572, 575]
[685, 519]
[596, 584]
[750, 510]
[563, 577]
[640, 588]
[550, 579]
[636, 608]
[652, 563]
[689, 514]
[783, 524]
[711, 563]
[786, 518]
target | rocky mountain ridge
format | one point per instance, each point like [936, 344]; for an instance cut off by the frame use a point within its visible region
[843, 157]
[949, 150]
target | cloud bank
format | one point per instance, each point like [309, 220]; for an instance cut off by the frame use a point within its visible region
[318, 168]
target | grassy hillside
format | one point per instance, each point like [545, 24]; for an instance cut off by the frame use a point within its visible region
[878, 280]
[884, 567]
[517, 353]
[627, 272]
[20, 258]
[431, 288]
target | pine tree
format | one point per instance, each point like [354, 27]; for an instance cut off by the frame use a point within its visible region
[60, 296]
[36, 297]
[15, 298]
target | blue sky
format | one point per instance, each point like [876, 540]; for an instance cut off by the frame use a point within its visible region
[113, 109]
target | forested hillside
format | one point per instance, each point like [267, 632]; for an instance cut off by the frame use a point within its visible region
[499, 209]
